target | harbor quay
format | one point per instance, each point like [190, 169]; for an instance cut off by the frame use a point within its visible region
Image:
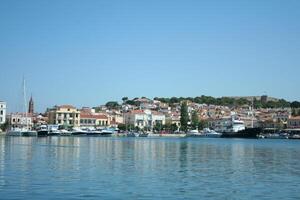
[158, 117]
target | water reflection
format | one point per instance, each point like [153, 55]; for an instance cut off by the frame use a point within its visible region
[91, 167]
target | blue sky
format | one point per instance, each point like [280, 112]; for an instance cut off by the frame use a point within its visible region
[89, 52]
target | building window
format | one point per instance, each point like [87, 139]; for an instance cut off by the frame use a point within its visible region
[1, 112]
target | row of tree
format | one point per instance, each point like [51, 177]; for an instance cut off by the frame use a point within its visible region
[228, 101]
[223, 101]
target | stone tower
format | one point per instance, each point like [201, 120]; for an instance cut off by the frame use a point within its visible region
[31, 106]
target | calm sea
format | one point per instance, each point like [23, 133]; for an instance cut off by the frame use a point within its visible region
[144, 168]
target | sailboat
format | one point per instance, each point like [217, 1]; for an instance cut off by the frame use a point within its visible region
[23, 131]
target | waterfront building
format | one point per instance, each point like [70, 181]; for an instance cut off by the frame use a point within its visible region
[115, 118]
[20, 120]
[93, 120]
[294, 122]
[173, 118]
[2, 112]
[144, 118]
[66, 115]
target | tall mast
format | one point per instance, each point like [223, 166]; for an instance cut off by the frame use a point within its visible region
[252, 114]
[25, 102]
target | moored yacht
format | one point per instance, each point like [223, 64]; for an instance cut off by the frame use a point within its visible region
[237, 129]
[42, 130]
[78, 131]
[210, 133]
[14, 132]
[194, 133]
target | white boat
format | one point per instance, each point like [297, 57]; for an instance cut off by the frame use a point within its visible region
[210, 133]
[23, 129]
[78, 131]
[194, 133]
[42, 130]
[14, 132]
[108, 131]
[64, 132]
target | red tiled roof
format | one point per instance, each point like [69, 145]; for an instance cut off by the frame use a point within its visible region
[137, 112]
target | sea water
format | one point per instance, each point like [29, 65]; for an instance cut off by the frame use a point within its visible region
[148, 168]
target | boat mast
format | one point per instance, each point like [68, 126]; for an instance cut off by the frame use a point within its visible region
[25, 103]
[252, 114]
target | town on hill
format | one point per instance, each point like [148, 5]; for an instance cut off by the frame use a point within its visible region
[164, 114]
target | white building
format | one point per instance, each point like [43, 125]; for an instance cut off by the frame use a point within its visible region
[2, 112]
[19, 120]
[144, 118]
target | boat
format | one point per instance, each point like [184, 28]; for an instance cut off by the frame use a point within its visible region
[237, 129]
[54, 133]
[143, 134]
[132, 134]
[64, 132]
[210, 133]
[53, 130]
[29, 133]
[24, 129]
[194, 133]
[93, 132]
[107, 131]
[14, 132]
[294, 137]
[78, 131]
[42, 130]
[277, 136]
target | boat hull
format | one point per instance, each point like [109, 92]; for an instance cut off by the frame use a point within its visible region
[14, 133]
[247, 133]
[42, 133]
[29, 133]
[79, 133]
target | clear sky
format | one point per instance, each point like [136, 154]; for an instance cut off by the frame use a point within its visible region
[88, 52]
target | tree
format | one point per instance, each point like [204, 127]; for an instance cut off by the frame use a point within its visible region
[295, 104]
[184, 117]
[202, 125]
[195, 120]
[294, 112]
[124, 99]
[122, 127]
[137, 128]
[174, 127]
[158, 127]
[112, 105]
